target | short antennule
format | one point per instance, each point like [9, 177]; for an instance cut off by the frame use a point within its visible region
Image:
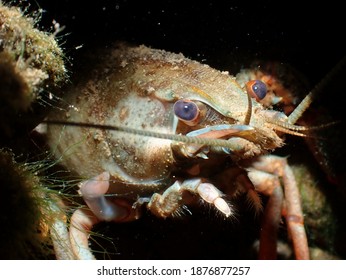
[288, 126]
[301, 108]
[293, 129]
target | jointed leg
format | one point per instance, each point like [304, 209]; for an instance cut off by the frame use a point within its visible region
[269, 185]
[164, 205]
[100, 209]
[271, 222]
[82, 222]
[294, 214]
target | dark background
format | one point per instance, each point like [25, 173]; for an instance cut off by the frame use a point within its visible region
[226, 35]
[220, 33]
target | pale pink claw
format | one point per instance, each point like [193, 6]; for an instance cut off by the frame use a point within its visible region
[212, 195]
[93, 192]
[164, 205]
[96, 186]
[208, 192]
[223, 206]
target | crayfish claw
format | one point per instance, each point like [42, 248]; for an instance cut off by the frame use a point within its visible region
[211, 194]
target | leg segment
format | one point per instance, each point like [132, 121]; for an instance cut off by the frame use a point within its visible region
[164, 205]
[269, 185]
[82, 222]
[58, 231]
[294, 214]
[271, 222]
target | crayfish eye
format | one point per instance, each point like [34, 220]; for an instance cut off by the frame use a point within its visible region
[186, 110]
[256, 89]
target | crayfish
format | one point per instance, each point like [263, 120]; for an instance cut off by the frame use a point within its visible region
[150, 128]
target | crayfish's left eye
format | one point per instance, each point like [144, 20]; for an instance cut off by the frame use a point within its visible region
[186, 110]
[256, 89]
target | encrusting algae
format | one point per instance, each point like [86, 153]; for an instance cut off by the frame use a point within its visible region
[30, 214]
[32, 64]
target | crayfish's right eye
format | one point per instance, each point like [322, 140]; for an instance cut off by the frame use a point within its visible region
[256, 89]
[186, 110]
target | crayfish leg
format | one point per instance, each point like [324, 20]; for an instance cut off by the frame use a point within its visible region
[272, 216]
[293, 210]
[269, 185]
[294, 215]
[166, 204]
[82, 222]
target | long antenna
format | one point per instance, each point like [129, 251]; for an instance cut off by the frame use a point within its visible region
[173, 137]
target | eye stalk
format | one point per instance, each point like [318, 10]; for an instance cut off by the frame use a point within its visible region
[256, 89]
[187, 111]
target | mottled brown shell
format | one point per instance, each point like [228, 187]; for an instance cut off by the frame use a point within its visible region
[136, 87]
